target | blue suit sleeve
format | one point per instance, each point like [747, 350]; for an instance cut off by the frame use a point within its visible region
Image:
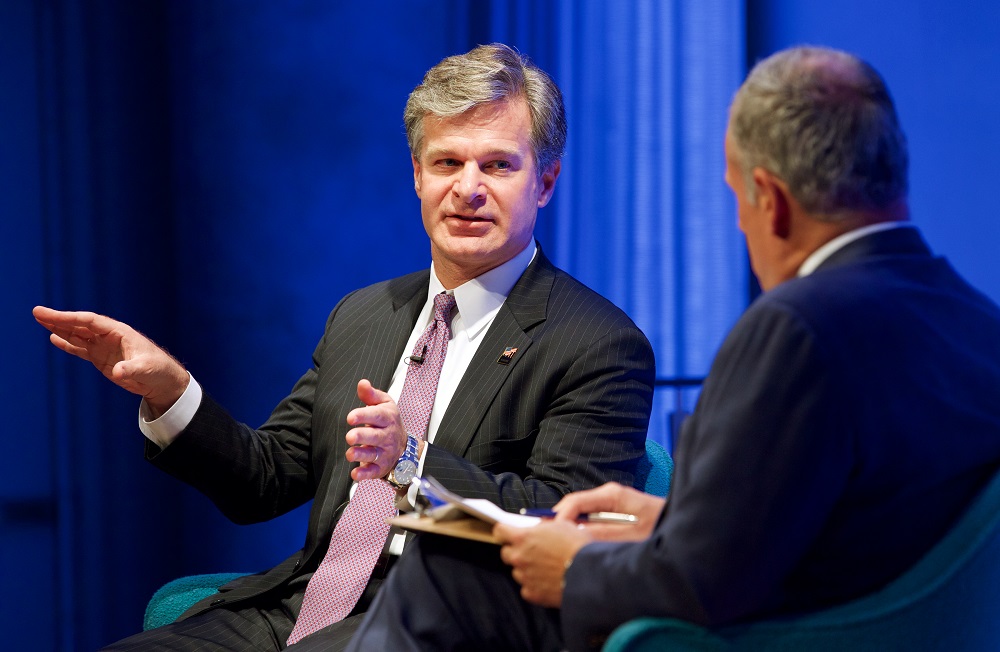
[759, 467]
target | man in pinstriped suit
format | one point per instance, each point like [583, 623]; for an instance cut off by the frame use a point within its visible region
[546, 387]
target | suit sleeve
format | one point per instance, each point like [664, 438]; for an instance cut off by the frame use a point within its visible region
[759, 467]
[252, 475]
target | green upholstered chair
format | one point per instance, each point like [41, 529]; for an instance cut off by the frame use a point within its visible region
[174, 597]
[950, 600]
[655, 470]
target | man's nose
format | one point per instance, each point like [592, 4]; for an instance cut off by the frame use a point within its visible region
[469, 186]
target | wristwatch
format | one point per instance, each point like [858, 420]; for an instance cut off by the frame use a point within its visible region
[406, 467]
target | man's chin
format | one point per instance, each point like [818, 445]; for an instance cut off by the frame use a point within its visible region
[468, 252]
[467, 245]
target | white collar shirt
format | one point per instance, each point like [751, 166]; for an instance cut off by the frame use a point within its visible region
[819, 256]
[478, 301]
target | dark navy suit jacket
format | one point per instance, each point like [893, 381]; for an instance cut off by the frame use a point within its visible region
[847, 420]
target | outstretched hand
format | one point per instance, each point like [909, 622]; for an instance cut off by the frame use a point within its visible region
[124, 355]
[378, 438]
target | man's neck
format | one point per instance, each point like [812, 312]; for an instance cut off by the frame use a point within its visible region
[452, 276]
[816, 236]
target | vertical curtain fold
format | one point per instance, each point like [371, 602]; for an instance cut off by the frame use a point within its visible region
[643, 215]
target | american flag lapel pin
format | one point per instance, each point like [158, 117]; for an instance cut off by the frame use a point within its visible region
[507, 355]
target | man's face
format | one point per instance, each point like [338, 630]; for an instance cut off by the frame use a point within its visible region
[479, 189]
[750, 219]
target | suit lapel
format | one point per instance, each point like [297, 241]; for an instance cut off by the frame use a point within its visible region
[376, 346]
[407, 295]
[524, 308]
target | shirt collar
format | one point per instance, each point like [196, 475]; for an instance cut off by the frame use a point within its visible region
[819, 256]
[479, 299]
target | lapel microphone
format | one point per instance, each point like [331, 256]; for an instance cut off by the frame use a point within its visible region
[417, 359]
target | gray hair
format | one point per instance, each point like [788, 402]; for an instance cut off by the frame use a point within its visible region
[823, 121]
[490, 73]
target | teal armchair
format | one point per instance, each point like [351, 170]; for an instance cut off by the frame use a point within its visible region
[950, 600]
[174, 597]
[655, 470]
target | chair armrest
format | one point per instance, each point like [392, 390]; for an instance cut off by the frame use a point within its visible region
[656, 634]
[177, 596]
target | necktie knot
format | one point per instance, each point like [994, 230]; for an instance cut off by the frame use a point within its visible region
[443, 303]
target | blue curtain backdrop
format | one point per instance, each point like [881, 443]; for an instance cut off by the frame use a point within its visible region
[641, 213]
[219, 172]
[644, 216]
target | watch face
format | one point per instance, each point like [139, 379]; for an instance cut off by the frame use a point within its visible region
[404, 471]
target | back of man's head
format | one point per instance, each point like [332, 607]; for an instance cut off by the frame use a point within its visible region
[823, 121]
[490, 73]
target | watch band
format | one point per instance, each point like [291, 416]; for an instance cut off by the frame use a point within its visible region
[406, 466]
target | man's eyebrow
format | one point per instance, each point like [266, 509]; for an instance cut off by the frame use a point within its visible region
[437, 152]
[504, 152]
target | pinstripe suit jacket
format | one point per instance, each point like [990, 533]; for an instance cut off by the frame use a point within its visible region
[569, 411]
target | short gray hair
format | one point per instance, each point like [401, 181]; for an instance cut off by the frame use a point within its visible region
[490, 73]
[823, 121]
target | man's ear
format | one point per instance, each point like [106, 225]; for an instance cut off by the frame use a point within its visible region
[416, 174]
[548, 180]
[774, 200]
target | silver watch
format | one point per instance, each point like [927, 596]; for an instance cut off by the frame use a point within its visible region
[406, 467]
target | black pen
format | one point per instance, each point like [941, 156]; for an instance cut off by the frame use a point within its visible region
[593, 517]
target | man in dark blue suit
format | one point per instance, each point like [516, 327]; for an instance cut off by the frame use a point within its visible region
[848, 419]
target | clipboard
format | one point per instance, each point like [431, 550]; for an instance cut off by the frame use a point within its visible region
[454, 516]
[463, 528]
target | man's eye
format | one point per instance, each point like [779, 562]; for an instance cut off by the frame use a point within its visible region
[501, 165]
[450, 162]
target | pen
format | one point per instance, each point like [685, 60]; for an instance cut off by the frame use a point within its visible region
[593, 517]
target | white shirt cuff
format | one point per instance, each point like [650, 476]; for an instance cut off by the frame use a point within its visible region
[164, 430]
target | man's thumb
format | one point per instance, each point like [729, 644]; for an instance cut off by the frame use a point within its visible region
[370, 395]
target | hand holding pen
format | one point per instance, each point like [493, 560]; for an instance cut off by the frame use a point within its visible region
[590, 517]
[539, 556]
[625, 513]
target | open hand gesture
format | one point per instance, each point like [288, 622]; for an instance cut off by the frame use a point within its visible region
[124, 355]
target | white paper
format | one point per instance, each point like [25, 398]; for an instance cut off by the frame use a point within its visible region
[479, 508]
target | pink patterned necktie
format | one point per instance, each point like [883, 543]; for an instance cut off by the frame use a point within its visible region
[361, 532]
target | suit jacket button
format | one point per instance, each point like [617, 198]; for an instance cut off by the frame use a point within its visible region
[297, 564]
[217, 602]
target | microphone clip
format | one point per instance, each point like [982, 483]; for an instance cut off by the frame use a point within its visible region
[416, 359]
